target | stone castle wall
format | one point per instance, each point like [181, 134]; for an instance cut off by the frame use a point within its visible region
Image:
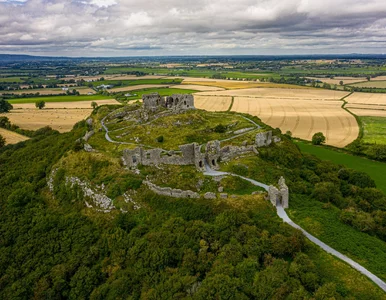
[167, 191]
[279, 196]
[190, 154]
[153, 102]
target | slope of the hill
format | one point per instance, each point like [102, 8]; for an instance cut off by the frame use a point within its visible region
[53, 245]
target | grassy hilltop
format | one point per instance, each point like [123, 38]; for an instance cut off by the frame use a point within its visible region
[147, 246]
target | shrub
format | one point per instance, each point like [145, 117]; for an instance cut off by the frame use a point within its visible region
[40, 104]
[5, 106]
[220, 128]
[318, 138]
[160, 139]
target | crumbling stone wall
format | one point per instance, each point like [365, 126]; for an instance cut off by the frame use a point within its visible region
[283, 188]
[167, 191]
[187, 156]
[191, 154]
[230, 152]
[180, 102]
[213, 154]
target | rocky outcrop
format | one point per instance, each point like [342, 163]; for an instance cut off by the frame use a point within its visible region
[210, 195]
[100, 200]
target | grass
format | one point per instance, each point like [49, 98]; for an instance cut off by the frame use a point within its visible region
[196, 72]
[374, 169]
[59, 99]
[348, 281]
[161, 91]
[12, 80]
[324, 223]
[192, 126]
[374, 130]
[122, 83]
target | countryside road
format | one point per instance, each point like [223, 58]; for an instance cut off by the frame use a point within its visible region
[283, 215]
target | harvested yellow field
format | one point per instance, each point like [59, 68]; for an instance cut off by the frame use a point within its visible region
[212, 103]
[367, 98]
[137, 87]
[303, 117]
[366, 106]
[12, 137]
[65, 105]
[337, 80]
[60, 119]
[361, 112]
[234, 84]
[378, 84]
[201, 88]
[308, 94]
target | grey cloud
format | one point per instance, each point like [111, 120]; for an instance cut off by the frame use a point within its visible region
[131, 27]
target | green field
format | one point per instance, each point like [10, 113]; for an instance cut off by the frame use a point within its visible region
[376, 170]
[161, 91]
[11, 79]
[59, 99]
[192, 72]
[122, 83]
[374, 130]
[371, 84]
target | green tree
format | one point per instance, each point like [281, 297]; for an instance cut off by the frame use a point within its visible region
[40, 104]
[341, 82]
[94, 105]
[2, 141]
[318, 138]
[5, 106]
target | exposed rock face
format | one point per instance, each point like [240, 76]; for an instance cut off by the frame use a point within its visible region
[89, 122]
[263, 139]
[100, 200]
[167, 191]
[87, 147]
[210, 195]
[178, 102]
[240, 131]
[88, 135]
[95, 197]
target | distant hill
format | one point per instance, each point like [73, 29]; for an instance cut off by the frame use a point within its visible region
[23, 57]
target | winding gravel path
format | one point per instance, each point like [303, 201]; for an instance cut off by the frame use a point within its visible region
[283, 215]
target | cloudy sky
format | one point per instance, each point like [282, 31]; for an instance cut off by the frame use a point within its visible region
[186, 27]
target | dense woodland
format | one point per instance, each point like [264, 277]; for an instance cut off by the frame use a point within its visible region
[52, 247]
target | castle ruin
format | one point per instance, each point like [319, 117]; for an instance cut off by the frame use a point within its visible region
[192, 154]
[154, 102]
[279, 196]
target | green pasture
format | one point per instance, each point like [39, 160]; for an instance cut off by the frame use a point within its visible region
[376, 170]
